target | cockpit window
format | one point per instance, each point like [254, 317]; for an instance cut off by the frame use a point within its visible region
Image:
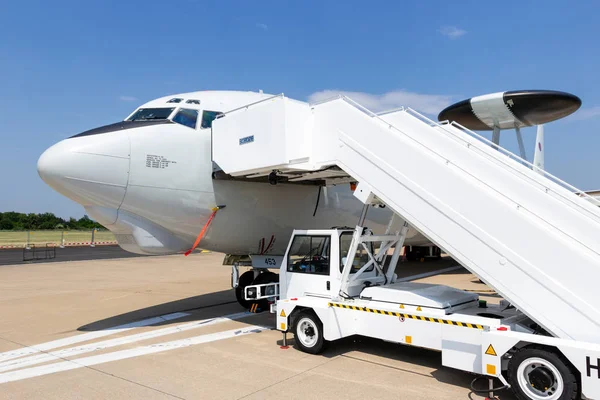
[192, 101]
[186, 117]
[208, 117]
[175, 100]
[145, 114]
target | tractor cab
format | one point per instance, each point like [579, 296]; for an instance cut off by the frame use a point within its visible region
[315, 260]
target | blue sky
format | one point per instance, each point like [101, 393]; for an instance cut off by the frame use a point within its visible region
[68, 66]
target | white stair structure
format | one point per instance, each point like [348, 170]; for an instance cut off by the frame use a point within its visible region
[527, 235]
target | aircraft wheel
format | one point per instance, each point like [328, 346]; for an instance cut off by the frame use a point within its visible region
[245, 279]
[308, 331]
[539, 374]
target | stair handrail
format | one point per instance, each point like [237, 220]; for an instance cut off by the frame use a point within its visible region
[504, 151]
[326, 100]
[252, 104]
[393, 110]
[359, 106]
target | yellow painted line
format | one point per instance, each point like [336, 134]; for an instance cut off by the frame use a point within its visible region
[407, 316]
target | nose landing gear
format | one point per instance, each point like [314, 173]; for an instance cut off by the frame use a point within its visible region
[254, 277]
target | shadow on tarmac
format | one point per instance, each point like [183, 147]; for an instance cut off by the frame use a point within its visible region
[227, 297]
[348, 348]
[209, 303]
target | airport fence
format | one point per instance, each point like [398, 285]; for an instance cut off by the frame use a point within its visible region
[56, 238]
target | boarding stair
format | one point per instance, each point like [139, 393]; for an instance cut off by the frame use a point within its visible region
[528, 235]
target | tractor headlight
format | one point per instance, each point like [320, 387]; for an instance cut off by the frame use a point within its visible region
[250, 293]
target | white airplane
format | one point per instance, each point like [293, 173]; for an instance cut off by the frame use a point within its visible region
[150, 180]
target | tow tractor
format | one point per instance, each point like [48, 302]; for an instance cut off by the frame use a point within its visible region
[336, 283]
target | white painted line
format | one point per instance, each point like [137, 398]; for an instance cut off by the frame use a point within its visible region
[97, 346]
[428, 274]
[84, 337]
[125, 354]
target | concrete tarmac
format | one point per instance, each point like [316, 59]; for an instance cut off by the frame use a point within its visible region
[170, 328]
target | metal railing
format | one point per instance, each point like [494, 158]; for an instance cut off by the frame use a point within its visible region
[393, 110]
[361, 108]
[502, 150]
[10, 239]
[251, 104]
[34, 253]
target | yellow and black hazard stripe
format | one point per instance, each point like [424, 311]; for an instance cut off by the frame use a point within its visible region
[407, 316]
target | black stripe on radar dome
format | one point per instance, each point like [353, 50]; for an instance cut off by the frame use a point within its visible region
[535, 107]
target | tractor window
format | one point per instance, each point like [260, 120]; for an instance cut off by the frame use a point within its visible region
[309, 255]
[361, 257]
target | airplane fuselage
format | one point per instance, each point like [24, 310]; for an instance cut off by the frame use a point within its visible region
[152, 182]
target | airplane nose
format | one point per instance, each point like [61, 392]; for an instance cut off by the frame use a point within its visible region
[91, 170]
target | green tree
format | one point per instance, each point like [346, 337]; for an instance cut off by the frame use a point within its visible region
[18, 221]
[72, 224]
[6, 224]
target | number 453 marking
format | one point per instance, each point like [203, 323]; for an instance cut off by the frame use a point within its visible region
[270, 261]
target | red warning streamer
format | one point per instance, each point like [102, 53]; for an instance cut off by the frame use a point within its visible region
[202, 232]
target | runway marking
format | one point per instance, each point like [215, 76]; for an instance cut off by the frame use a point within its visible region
[125, 354]
[25, 351]
[428, 274]
[97, 346]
